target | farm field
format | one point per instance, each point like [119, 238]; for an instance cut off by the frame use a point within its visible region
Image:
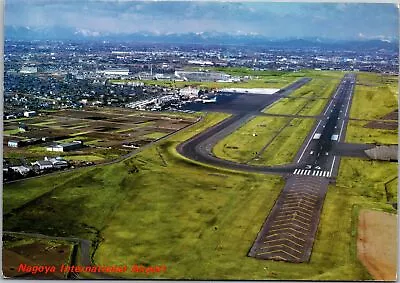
[34, 251]
[107, 133]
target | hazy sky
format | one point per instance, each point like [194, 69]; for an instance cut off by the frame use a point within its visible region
[275, 20]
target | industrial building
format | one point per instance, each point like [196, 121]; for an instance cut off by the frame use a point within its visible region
[28, 70]
[202, 76]
[115, 72]
[13, 143]
[29, 113]
[65, 146]
[189, 92]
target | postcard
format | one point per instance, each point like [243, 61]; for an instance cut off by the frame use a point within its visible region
[200, 140]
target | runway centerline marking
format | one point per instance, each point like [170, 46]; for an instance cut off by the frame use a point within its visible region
[305, 148]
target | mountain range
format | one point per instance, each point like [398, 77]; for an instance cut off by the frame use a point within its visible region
[212, 38]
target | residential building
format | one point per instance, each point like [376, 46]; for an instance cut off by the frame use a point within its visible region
[29, 113]
[23, 170]
[42, 165]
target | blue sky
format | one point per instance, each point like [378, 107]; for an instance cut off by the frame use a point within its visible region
[274, 20]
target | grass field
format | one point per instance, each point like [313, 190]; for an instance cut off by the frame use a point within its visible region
[375, 95]
[287, 106]
[244, 143]
[310, 99]
[357, 133]
[11, 132]
[147, 211]
[155, 135]
[391, 190]
[84, 157]
[284, 147]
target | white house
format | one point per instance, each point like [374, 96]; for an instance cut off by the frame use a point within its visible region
[42, 165]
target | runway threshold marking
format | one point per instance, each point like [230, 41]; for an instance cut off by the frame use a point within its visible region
[293, 220]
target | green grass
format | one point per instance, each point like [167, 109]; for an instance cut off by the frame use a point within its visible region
[11, 132]
[17, 194]
[287, 106]
[310, 99]
[125, 130]
[285, 146]
[45, 123]
[155, 135]
[318, 87]
[80, 134]
[357, 133]
[367, 177]
[313, 107]
[391, 190]
[375, 95]
[157, 208]
[241, 145]
[84, 158]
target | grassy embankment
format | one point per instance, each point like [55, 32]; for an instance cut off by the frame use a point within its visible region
[242, 145]
[375, 96]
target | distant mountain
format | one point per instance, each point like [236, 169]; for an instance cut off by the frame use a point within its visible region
[214, 38]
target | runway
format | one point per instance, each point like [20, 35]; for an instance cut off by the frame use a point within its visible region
[315, 154]
[289, 231]
[200, 147]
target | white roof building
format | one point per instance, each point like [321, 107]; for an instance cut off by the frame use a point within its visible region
[189, 92]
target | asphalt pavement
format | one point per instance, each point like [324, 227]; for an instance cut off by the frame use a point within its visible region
[315, 157]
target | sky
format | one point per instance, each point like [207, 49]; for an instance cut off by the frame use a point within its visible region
[350, 21]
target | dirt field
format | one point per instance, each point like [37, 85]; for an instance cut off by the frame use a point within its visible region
[386, 125]
[34, 252]
[376, 243]
[392, 116]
